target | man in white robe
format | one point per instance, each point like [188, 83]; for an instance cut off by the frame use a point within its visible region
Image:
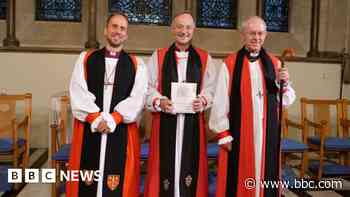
[107, 92]
[177, 164]
[244, 115]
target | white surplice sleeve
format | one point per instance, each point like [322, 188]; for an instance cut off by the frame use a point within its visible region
[209, 82]
[131, 107]
[288, 96]
[152, 93]
[219, 121]
[82, 101]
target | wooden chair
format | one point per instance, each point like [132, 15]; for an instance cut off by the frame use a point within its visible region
[345, 124]
[323, 140]
[291, 145]
[60, 145]
[14, 144]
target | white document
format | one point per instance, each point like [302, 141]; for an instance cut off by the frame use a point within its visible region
[182, 96]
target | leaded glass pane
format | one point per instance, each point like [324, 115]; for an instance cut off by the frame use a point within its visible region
[144, 11]
[275, 13]
[58, 10]
[3, 6]
[217, 13]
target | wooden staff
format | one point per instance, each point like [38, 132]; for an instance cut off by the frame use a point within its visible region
[289, 52]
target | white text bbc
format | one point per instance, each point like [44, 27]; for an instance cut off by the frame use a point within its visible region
[49, 175]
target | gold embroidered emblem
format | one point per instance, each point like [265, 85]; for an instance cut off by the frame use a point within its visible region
[113, 181]
[166, 184]
[188, 180]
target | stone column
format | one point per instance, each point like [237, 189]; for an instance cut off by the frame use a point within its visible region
[11, 40]
[315, 29]
[92, 38]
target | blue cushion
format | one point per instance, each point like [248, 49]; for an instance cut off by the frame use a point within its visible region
[329, 168]
[290, 145]
[288, 175]
[4, 185]
[6, 144]
[212, 149]
[144, 151]
[332, 143]
[62, 154]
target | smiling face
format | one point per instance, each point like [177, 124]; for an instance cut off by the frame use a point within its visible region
[253, 34]
[183, 28]
[116, 31]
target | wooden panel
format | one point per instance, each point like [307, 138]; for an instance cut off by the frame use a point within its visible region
[63, 119]
[145, 125]
[322, 112]
[7, 114]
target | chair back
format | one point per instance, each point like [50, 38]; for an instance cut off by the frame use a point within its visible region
[284, 127]
[323, 110]
[346, 116]
[9, 108]
[145, 125]
[60, 122]
[64, 120]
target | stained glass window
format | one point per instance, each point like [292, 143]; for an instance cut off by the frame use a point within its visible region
[144, 11]
[276, 15]
[3, 6]
[217, 13]
[58, 10]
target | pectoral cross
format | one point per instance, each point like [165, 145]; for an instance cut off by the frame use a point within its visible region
[260, 94]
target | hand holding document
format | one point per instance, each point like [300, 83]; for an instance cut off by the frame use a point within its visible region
[182, 96]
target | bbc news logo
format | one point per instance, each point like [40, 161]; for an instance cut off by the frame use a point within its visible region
[49, 175]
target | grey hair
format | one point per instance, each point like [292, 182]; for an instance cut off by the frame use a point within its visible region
[248, 20]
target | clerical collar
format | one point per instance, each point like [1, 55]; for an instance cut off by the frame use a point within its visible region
[110, 54]
[252, 57]
[181, 54]
[177, 49]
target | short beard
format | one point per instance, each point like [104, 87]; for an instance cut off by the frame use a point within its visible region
[110, 43]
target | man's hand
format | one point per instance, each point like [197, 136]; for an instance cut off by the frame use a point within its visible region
[197, 105]
[166, 105]
[283, 74]
[227, 146]
[102, 127]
